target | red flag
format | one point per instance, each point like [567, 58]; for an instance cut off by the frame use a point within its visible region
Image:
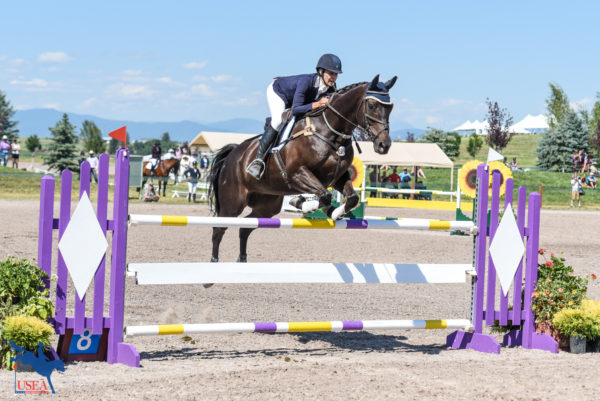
[120, 134]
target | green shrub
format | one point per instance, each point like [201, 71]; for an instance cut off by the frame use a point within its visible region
[22, 291]
[583, 321]
[26, 332]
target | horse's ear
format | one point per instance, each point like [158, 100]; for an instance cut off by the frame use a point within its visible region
[374, 82]
[390, 83]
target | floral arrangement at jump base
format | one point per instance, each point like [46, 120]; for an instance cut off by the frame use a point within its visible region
[559, 302]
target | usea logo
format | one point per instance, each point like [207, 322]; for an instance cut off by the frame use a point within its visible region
[41, 364]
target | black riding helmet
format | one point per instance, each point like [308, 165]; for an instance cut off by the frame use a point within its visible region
[330, 62]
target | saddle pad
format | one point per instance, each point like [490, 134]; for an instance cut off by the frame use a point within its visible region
[285, 134]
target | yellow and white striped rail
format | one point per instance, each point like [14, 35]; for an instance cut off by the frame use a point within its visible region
[248, 222]
[291, 327]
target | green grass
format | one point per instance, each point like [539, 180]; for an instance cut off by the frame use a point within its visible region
[522, 147]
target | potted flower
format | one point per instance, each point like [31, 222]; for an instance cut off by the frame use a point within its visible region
[579, 325]
[557, 288]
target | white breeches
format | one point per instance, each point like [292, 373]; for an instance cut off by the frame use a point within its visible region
[192, 187]
[276, 106]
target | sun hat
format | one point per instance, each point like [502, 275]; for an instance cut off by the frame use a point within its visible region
[91, 152]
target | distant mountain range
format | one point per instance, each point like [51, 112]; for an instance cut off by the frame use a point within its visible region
[37, 122]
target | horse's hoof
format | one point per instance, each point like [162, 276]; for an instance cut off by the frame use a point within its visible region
[297, 201]
[310, 206]
[242, 259]
[339, 212]
[214, 260]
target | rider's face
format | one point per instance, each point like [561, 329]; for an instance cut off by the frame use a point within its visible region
[329, 77]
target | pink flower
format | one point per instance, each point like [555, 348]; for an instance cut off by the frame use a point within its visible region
[549, 264]
[542, 250]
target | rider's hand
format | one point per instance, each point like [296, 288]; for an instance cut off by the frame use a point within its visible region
[322, 102]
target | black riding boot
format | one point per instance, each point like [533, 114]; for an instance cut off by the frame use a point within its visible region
[194, 197]
[190, 198]
[257, 167]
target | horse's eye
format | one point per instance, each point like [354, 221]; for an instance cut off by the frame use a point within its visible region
[371, 106]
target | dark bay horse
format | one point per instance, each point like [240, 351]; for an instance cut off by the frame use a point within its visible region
[317, 156]
[162, 171]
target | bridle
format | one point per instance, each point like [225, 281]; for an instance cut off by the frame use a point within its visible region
[366, 118]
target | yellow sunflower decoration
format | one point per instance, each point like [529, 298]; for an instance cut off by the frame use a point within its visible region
[467, 177]
[357, 172]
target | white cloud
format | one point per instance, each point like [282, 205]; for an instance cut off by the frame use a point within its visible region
[194, 65]
[242, 101]
[215, 78]
[432, 119]
[203, 90]
[221, 78]
[584, 103]
[453, 102]
[86, 104]
[54, 106]
[168, 81]
[38, 82]
[54, 57]
[130, 91]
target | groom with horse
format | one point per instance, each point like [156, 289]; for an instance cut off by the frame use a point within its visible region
[316, 154]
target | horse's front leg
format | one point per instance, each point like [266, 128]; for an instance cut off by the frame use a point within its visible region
[351, 198]
[304, 181]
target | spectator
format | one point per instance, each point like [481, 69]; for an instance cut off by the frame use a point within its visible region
[15, 148]
[81, 158]
[419, 173]
[4, 148]
[581, 158]
[591, 181]
[93, 160]
[586, 162]
[204, 165]
[150, 195]
[575, 161]
[575, 189]
[193, 175]
[514, 166]
[404, 182]
[170, 154]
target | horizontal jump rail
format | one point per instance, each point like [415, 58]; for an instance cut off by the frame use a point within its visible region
[297, 273]
[408, 191]
[251, 222]
[295, 327]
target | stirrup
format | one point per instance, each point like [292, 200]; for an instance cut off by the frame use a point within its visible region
[252, 168]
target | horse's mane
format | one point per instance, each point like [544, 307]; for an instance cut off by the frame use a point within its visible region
[345, 89]
[349, 87]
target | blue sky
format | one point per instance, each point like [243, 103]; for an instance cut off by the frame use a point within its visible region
[211, 61]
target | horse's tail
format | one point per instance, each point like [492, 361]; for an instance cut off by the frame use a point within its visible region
[213, 176]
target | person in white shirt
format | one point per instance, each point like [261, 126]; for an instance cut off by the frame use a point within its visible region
[575, 188]
[93, 160]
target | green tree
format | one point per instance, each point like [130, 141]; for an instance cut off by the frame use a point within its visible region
[557, 145]
[92, 138]
[595, 140]
[557, 105]
[594, 116]
[449, 142]
[62, 154]
[474, 145]
[7, 126]
[499, 120]
[33, 143]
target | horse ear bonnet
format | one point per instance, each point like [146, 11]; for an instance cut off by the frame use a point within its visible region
[379, 91]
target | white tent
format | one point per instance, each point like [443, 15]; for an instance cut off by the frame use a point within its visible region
[466, 126]
[213, 141]
[531, 124]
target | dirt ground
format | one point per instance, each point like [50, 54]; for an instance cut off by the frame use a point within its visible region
[403, 365]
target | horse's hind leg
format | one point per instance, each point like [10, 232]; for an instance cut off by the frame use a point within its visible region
[262, 206]
[217, 236]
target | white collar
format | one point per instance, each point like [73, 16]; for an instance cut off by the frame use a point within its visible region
[322, 87]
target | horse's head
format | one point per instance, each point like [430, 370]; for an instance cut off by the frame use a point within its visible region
[378, 106]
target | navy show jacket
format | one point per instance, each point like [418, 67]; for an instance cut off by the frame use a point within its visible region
[298, 91]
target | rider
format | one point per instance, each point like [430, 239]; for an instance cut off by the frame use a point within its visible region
[156, 153]
[301, 93]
